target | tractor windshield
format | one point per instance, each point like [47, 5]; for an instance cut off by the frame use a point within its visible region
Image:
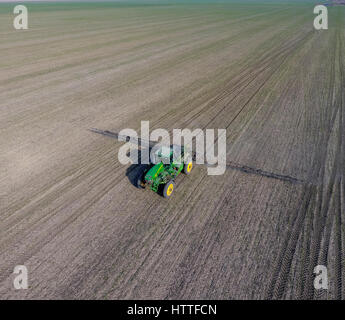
[177, 153]
[168, 155]
[164, 154]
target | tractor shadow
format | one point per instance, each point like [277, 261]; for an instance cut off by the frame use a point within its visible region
[133, 171]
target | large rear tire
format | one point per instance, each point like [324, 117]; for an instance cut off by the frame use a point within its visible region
[168, 189]
[141, 178]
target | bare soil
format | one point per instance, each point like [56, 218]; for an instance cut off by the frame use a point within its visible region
[68, 209]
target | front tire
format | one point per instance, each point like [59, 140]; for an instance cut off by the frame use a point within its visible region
[168, 189]
[188, 167]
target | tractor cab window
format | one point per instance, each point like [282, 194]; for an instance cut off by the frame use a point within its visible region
[168, 155]
[164, 155]
[177, 153]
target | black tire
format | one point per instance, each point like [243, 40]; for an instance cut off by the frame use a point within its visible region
[169, 189]
[187, 168]
[140, 183]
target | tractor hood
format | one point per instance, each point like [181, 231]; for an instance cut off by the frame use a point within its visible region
[153, 172]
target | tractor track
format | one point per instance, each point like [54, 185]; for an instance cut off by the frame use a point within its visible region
[339, 223]
[305, 282]
[323, 229]
[323, 219]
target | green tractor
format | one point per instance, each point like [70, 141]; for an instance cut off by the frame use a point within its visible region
[167, 166]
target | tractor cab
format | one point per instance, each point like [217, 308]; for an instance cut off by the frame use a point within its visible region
[169, 155]
[166, 164]
[164, 154]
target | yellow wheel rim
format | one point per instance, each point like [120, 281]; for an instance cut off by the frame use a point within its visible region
[170, 189]
[190, 165]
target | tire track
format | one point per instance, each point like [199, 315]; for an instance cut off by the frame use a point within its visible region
[281, 272]
[339, 250]
[323, 229]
